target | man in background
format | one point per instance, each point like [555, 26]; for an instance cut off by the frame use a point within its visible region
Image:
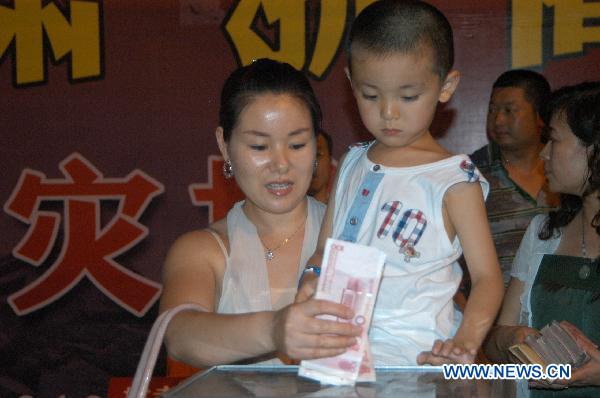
[511, 162]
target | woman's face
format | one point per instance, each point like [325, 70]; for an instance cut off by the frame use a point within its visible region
[272, 151]
[565, 158]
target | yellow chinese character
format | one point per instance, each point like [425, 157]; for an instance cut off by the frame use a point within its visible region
[332, 23]
[288, 23]
[569, 34]
[25, 24]
[289, 16]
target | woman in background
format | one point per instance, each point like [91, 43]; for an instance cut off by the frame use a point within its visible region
[556, 272]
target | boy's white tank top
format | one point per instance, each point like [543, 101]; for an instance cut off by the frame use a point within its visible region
[400, 211]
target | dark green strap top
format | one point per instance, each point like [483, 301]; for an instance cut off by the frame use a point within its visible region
[567, 288]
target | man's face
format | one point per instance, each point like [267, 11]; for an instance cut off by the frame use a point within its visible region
[512, 121]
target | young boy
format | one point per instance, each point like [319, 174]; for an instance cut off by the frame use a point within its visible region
[406, 195]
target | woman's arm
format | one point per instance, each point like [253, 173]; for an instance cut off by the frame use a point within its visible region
[192, 269]
[507, 331]
[193, 266]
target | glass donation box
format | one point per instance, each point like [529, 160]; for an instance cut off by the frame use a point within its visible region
[283, 381]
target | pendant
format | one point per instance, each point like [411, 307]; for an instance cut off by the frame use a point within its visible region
[269, 255]
[584, 272]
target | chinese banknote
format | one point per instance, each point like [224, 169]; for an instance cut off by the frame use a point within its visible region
[350, 274]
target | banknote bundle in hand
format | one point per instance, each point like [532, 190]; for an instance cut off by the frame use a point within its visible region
[554, 346]
[350, 274]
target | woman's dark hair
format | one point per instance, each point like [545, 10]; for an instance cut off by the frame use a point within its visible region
[580, 106]
[260, 77]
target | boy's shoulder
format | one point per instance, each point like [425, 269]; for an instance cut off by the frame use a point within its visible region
[360, 144]
[448, 170]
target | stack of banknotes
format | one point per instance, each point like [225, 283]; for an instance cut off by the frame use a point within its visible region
[554, 346]
[350, 274]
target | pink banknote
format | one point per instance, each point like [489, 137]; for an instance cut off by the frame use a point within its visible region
[350, 274]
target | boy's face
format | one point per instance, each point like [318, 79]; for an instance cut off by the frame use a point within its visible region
[397, 94]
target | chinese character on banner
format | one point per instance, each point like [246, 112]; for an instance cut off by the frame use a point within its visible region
[566, 25]
[218, 193]
[307, 36]
[33, 31]
[88, 247]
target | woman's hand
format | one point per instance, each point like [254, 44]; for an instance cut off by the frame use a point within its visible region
[502, 337]
[588, 374]
[299, 334]
[518, 334]
[580, 338]
[521, 332]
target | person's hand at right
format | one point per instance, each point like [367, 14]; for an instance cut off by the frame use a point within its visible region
[520, 333]
[299, 334]
[516, 335]
[588, 374]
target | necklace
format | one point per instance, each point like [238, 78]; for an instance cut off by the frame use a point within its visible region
[270, 253]
[583, 248]
[585, 270]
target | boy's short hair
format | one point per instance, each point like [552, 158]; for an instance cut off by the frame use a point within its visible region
[535, 86]
[404, 26]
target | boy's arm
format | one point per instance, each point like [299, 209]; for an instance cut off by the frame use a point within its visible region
[327, 225]
[467, 215]
[309, 284]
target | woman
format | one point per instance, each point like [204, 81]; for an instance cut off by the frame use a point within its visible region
[244, 269]
[556, 273]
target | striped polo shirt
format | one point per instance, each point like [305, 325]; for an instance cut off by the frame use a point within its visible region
[509, 207]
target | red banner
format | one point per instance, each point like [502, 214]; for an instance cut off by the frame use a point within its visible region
[108, 118]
